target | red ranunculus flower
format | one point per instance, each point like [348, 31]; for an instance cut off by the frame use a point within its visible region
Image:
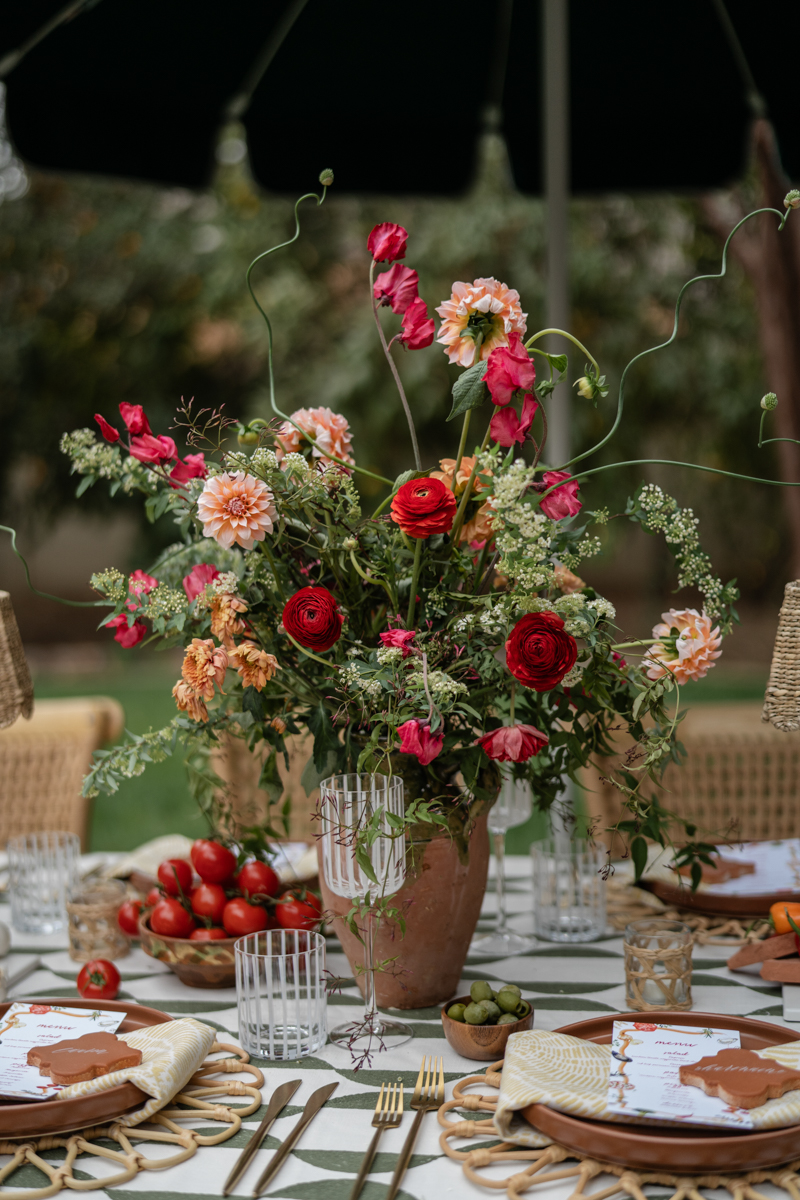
[313, 619]
[135, 420]
[418, 328]
[506, 427]
[397, 286]
[127, 635]
[387, 242]
[416, 738]
[513, 743]
[424, 506]
[108, 431]
[401, 638]
[509, 370]
[149, 449]
[195, 582]
[563, 502]
[192, 467]
[539, 652]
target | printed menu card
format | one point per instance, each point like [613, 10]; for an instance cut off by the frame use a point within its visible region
[644, 1081]
[26, 1025]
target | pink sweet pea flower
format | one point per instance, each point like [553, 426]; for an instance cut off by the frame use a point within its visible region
[135, 420]
[416, 738]
[387, 242]
[195, 582]
[149, 449]
[192, 467]
[127, 635]
[140, 582]
[513, 743]
[509, 370]
[563, 502]
[506, 427]
[401, 638]
[398, 286]
[108, 431]
[418, 327]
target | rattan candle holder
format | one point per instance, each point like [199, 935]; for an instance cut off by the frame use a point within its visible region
[658, 965]
[93, 928]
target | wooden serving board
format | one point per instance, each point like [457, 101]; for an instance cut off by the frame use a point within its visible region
[654, 1147]
[34, 1118]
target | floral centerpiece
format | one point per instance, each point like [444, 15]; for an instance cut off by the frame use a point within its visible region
[442, 634]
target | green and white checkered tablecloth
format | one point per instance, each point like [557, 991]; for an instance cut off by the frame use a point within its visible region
[564, 984]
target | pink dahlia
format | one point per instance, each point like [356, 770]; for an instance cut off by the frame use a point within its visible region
[513, 743]
[236, 508]
[686, 646]
[330, 430]
[485, 307]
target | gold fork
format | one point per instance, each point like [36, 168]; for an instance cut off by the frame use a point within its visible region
[427, 1096]
[388, 1115]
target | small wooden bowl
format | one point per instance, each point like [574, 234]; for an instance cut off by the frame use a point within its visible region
[486, 1043]
[197, 964]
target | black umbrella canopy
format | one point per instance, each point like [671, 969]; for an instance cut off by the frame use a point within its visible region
[393, 96]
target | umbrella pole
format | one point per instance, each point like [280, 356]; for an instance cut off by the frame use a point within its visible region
[555, 44]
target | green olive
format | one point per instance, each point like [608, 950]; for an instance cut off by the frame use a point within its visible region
[480, 990]
[523, 1009]
[512, 987]
[475, 1014]
[456, 1012]
[492, 1009]
[507, 1019]
[508, 1000]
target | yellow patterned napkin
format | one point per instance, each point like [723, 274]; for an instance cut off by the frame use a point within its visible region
[571, 1075]
[171, 1053]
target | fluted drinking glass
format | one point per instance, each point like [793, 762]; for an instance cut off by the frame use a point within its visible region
[512, 807]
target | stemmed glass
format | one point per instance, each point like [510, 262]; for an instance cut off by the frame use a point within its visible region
[352, 805]
[512, 807]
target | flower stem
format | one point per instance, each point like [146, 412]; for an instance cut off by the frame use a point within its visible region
[563, 333]
[467, 415]
[308, 653]
[393, 367]
[412, 599]
[512, 703]
[459, 521]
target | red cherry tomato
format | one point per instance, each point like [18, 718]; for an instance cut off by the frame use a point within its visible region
[171, 919]
[98, 980]
[153, 897]
[258, 879]
[240, 917]
[213, 862]
[128, 917]
[207, 935]
[209, 900]
[293, 913]
[175, 876]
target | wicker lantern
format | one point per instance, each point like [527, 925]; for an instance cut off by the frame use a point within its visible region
[782, 699]
[16, 687]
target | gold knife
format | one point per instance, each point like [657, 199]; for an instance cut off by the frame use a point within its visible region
[280, 1098]
[313, 1105]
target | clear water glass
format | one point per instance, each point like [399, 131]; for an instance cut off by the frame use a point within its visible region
[43, 868]
[512, 807]
[280, 992]
[348, 803]
[569, 891]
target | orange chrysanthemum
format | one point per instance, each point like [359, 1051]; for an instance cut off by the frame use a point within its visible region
[254, 665]
[485, 308]
[224, 622]
[330, 430]
[686, 648]
[464, 472]
[190, 701]
[236, 508]
[566, 581]
[204, 664]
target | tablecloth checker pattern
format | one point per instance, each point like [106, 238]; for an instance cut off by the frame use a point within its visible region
[563, 983]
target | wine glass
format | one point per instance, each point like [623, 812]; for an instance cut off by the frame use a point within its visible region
[349, 805]
[512, 807]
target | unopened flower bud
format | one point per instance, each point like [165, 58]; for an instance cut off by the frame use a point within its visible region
[326, 177]
[770, 401]
[278, 724]
[247, 437]
[792, 199]
[350, 543]
[586, 387]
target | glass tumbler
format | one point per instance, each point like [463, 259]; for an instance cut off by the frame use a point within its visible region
[569, 892]
[280, 991]
[43, 869]
[658, 965]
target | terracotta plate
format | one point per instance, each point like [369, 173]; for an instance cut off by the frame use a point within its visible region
[714, 905]
[657, 1147]
[33, 1118]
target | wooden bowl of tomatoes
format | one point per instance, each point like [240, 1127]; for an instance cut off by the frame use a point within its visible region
[193, 928]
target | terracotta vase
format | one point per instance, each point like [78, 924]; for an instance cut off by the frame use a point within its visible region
[442, 903]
